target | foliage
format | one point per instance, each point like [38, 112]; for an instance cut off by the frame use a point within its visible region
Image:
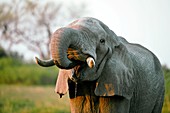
[13, 71]
[167, 78]
[31, 99]
[166, 108]
[2, 52]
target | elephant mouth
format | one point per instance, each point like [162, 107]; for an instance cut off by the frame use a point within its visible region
[84, 61]
[80, 71]
[88, 70]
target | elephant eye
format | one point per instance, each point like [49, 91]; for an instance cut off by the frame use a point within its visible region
[102, 41]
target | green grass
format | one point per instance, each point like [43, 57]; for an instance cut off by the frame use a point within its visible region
[31, 99]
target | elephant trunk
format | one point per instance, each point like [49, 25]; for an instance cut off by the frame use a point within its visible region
[61, 40]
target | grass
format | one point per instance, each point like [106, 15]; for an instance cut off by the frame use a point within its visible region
[40, 99]
[31, 99]
[166, 107]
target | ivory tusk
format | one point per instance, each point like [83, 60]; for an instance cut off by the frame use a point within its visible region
[44, 63]
[90, 62]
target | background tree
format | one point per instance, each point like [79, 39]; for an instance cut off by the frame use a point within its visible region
[2, 52]
[31, 23]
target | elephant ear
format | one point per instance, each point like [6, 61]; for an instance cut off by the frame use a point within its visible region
[117, 77]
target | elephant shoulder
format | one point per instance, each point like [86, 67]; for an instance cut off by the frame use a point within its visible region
[141, 54]
[145, 62]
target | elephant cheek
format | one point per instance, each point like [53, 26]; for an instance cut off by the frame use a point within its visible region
[62, 82]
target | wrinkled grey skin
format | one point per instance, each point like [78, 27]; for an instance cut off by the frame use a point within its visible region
[127, 78]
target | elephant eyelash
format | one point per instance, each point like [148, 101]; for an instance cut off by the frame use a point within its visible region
[102, 41]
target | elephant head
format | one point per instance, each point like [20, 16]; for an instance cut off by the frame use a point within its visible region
[89, 49]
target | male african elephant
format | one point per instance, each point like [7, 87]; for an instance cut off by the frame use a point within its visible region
[103, 72]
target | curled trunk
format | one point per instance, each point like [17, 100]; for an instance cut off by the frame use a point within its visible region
[61, 40]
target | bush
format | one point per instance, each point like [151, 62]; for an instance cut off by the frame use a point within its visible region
[13, 71]
[2, 52]
[166, 108]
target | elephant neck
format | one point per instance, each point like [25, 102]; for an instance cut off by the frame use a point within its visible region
[82, 97]
[85, 101]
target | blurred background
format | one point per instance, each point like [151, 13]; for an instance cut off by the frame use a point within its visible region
[25, 30]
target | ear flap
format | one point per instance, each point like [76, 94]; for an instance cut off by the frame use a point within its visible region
[117, 75]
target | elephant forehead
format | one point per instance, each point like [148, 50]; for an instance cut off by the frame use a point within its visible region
[92, 24]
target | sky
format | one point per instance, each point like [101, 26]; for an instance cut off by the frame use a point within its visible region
[146, 22]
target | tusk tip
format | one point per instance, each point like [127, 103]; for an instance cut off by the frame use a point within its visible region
[90, 61]
[36, 60]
